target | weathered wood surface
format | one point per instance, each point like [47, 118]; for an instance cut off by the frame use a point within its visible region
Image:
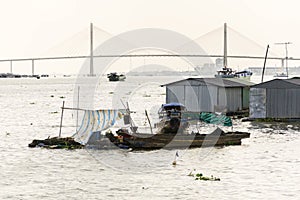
[169, 141]
[148, 141]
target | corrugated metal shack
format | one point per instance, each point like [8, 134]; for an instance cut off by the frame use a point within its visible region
[210, 94]
[278, 98]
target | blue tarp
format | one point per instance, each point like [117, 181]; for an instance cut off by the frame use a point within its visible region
[207, 117]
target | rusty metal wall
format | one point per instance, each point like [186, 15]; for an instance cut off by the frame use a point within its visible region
[257, 106]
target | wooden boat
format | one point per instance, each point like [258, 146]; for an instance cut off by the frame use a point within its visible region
[173, 133]
[116, 77]
[170, 140]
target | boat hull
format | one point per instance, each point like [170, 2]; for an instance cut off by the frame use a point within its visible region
[175, 141]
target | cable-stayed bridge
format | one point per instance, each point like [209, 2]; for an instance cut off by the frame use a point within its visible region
[81, 46]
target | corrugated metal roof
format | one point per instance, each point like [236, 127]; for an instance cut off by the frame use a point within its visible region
[295, 80]
[242, 81]
[220, 82]
[280, 83]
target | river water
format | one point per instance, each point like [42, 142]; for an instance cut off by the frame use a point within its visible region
[265, 166]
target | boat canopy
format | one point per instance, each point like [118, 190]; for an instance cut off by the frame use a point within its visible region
[95, 121]
[173, 104]
[169, 106]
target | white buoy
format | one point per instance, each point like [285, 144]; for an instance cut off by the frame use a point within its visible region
[175, 159]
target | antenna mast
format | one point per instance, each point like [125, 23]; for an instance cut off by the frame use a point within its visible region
[286, 55]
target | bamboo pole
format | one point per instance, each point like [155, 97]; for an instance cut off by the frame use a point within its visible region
[66, 108]
[264, 67]
[225, 47]
[149, 121]
[91, 51]
[77, 109]
[61, 119]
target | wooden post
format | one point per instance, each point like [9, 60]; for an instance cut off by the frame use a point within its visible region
[61, 119]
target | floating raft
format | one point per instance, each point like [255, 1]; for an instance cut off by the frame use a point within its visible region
[56, 143]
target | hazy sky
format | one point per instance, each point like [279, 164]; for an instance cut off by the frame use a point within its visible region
[31, 27]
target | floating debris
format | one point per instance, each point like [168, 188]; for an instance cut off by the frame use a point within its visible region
[110, 92]
[55, 112]
[62, 97]
[52, 96]
[31, 103]
[199, 176]
[56, 143]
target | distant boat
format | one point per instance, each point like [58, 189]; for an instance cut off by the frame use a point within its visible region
[116, 77]
[229, 73]
[281, 75]
[225, 73]
[244, 74]
[9, 75]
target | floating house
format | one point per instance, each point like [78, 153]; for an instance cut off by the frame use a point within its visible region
[278, 98]
[210, 94]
